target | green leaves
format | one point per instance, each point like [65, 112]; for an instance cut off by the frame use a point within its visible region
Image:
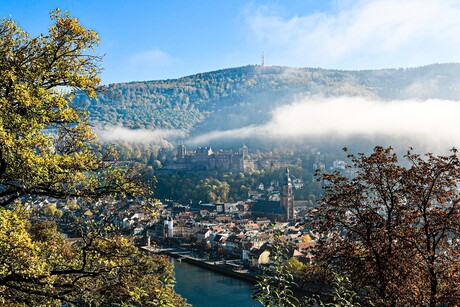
[47, 149]
[40, 267]
[275, 286]
[341, 295]
[47, 146]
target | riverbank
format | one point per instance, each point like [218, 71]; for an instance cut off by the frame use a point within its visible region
[222, 267]
[206, 288]
[229, 268]
[226, 267]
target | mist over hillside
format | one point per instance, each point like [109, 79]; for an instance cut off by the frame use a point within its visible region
[282, 104]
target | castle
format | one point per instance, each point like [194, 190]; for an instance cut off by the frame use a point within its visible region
[204, 159]
[282, 210]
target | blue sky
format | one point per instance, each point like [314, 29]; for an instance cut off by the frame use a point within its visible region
[150, 40]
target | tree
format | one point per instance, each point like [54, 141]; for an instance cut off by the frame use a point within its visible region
[51, 211]
[394, 230]
[275, 285]
[39, 267]
[340, 296]
[294, 266]
[434, 218]
[46, 145]
[47, 149]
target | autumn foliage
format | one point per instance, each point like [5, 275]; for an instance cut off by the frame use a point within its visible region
[394, 228]
[47, 146]
[48, 150]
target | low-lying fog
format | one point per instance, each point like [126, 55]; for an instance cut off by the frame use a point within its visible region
[429, 124]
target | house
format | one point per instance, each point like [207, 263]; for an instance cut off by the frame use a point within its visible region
[231, 208]
[223, 219]
[233, 243]
[203, 234]
[254, 194]
[219, 240]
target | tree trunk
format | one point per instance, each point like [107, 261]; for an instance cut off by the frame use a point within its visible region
[433, 287]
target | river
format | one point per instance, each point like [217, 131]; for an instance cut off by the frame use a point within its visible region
[203, 288]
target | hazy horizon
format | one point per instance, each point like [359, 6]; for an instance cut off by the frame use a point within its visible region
[156, 40]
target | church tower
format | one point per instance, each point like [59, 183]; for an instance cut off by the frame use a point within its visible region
[287, 198]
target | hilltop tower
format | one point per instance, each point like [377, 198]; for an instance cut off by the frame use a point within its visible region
[287, 198]
[244, 150]
[262, 60]
[181, 151]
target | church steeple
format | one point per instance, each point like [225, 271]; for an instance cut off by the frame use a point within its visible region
[287, 177]
[287, 197]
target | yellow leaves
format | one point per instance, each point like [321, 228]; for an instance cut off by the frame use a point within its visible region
[49, 148]
[66, 25]
[68, 114]
[42, 138]
[134, 295]
[18, 253]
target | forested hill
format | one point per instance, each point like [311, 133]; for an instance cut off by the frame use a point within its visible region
[234, 97]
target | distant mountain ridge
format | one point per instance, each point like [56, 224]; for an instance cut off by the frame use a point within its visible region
[234, 97]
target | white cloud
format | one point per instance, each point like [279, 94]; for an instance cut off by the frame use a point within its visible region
[362, 34]
[151, 58]
[116, 134]
[431, 122]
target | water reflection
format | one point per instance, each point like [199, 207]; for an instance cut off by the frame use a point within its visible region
[203, 288]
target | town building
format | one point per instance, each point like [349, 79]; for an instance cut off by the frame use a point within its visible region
[282, 210]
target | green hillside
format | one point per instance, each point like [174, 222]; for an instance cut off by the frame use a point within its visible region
[233, 97]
